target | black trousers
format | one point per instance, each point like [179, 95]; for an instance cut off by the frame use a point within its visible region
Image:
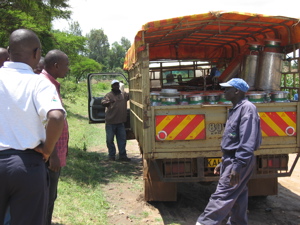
[53, 177]
[24, 187]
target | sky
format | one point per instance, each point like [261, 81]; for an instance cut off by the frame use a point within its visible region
[124, 18]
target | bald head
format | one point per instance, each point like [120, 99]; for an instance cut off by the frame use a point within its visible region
[57, 63]
[24, 46]
[4, 56]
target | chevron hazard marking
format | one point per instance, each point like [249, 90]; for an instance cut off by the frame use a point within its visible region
[180, 127]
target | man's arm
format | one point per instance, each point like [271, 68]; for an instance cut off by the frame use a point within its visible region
[248, 133]
[54, 161]
[53, 131]
[106, 101]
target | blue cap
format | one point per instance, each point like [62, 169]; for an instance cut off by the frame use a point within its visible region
[238, 83]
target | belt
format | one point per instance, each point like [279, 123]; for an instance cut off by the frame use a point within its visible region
[229, 152]
[16, 152]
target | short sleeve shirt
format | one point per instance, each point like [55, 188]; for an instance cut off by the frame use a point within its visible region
[26, 98]
[62, 143]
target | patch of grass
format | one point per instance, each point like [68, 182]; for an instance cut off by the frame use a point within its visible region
[145, 214]
[80, 186]
[82, 134]
[158, 219]
[80, 198]
[80, 205]
[90, 169]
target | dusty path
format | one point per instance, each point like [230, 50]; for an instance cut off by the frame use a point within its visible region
[128, 206]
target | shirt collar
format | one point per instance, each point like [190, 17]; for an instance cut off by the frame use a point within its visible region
[241, 102]
[17, 65]
[52, 79]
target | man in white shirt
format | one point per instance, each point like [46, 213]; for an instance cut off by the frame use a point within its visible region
[29, 102]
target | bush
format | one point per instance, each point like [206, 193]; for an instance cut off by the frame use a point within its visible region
[71, 91]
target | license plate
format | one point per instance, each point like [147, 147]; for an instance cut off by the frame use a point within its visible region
[213, 162]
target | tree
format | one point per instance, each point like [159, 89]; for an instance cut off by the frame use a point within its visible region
[98, 46]
[75, 28]
[75, 47]
[70, 44]
[36, 15]
[84, 66]
[117, 54]
[116, 57]
[125, 43]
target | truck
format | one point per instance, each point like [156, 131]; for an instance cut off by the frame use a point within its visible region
[177, 111]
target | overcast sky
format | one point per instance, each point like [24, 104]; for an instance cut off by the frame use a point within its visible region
[123, 18]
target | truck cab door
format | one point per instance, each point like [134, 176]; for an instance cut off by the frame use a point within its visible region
[98, 86]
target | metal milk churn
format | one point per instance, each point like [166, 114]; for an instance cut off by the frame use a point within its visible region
[269, 68]
[250, 65]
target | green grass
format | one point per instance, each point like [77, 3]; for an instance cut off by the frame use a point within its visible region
[80, 198]
[80, 194]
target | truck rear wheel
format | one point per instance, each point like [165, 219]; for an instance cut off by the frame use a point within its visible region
[154, 189]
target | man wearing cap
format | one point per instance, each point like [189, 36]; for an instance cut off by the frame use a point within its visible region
[115, 117]
[241, 137]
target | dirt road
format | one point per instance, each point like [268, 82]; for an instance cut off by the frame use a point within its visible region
[128, 206]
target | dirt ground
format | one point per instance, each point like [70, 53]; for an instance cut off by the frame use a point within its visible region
[128, 206]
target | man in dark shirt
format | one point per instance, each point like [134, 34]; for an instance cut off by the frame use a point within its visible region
[115, 117]
[241, 137]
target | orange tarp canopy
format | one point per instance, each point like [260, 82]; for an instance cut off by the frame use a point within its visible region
[210, 36]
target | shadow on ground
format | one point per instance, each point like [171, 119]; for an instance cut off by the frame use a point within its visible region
[93, 168]
[193, 197]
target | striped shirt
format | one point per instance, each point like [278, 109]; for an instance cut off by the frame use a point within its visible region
[62, 143]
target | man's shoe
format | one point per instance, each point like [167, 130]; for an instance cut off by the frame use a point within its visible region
[125, 159]
[111, 158]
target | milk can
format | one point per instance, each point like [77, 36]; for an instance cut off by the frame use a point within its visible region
[269, 71]
[269, 68]
[272, 45]
[154, 99]
[250, 65]
[212, 98]
[167, 101]
[184, 98]
[196, 99]
[256, 96]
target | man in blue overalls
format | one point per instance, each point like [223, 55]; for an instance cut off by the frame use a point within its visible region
[241, 137]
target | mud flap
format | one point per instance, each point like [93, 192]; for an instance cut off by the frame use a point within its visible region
[263, 187]
[154, 189]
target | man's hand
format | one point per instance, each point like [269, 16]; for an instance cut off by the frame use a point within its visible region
[106, 103]
[217, 169]
[234, 177]
[40, 149]
[54, 162]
